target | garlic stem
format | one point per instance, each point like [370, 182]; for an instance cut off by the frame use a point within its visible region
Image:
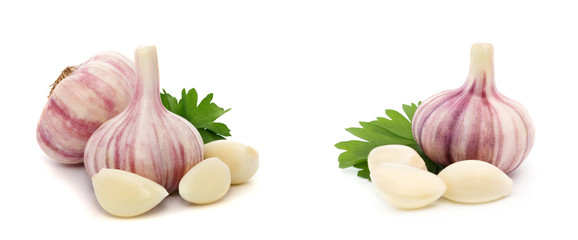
[147, 66]
[481, 76]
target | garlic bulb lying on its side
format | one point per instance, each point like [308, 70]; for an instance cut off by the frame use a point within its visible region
[82, 98]
[146, 138]
[475, 121]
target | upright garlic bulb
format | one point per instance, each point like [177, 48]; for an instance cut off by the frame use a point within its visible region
[475, 121]
[145, 138]
[82, 98]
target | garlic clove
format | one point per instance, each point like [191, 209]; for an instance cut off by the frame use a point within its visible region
[243, 161]
[82, 99]
[474, 121]
[406, 187]
[146, 138]
[395, 154]
[206, 182]
[126, 194]
[474, 181]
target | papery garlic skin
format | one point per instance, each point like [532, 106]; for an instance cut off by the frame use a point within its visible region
[475, 121]
[125, 194]
[94, 92]
[146, 138]
[474, 181]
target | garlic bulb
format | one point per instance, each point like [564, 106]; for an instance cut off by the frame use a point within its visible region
[145, 138]
[82, 98]
[475, 121]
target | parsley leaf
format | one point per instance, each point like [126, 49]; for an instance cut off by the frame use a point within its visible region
[202, 116]
[396, 129]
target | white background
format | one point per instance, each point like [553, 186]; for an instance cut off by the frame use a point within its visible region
[296, 74]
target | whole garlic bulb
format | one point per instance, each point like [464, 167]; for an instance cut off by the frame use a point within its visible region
[475, 121]
[82, 98]
[146, 138]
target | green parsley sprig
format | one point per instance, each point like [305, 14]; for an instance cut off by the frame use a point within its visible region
[202, 116]
[383, 131]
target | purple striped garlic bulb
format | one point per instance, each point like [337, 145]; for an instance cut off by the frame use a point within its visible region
[81, 99]
[146, 139]
[475, 121]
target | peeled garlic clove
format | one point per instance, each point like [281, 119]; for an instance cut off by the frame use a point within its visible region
[475, 121]
[206, 182]
[406, 187]
[126, 194]
[395, 154]
[146, 138]
[84, 97]
[243, 161]
[473, 181]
